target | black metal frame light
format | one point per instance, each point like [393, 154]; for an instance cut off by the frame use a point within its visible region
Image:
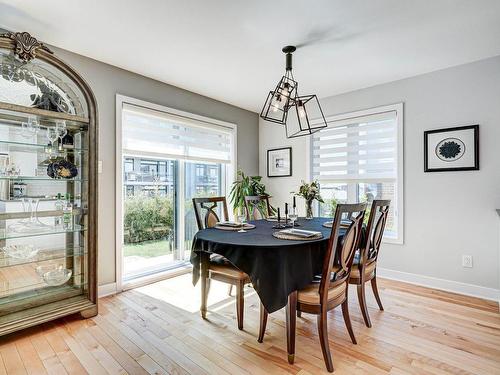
[285, 97]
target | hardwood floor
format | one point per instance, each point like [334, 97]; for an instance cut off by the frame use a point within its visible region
[157, 330]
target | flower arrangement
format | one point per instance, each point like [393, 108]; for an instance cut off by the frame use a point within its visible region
[310, 192]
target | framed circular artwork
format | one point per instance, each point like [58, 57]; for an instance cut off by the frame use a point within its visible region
[451, 149]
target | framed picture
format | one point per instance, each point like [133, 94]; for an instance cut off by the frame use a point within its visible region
[279, 162]
[451, 149]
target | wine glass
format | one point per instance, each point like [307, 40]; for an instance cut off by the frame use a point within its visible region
[52, 135]
[61, 131]
[293, 216]
[30, 128]
[242, 216]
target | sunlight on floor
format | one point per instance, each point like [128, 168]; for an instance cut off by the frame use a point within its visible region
[180, 292]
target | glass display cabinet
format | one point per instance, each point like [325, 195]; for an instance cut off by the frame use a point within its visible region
[48, 187]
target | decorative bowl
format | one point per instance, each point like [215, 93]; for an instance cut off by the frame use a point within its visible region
[22, 252]
[61, 168]
[54, 275]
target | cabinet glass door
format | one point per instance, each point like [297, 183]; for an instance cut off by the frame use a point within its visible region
[43, 198]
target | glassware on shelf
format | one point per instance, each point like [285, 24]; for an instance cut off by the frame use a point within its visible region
[31, 224]
[61, 131]
[12, 170]
[67, 218]
[53, 274]
[22, 252]
[59, 206]
[52, 136]
[30, 128]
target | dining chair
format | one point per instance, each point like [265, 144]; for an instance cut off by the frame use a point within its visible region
[331, 288]
[216, 267]
[257, 207]
[365, 267]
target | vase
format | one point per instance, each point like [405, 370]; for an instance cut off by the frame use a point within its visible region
[309, 210]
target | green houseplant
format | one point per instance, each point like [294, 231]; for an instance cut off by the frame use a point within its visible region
[246, 186]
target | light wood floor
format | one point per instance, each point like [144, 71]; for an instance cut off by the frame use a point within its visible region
[157, 330]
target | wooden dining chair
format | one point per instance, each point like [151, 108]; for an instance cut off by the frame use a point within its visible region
[257, 207]
[216, 267]
[330, 290]
[365, 267]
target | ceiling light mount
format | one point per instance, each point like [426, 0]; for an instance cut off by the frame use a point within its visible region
[289, 50]
[307, 113]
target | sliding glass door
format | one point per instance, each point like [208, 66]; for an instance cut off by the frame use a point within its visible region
[149, 211]
[166, 160]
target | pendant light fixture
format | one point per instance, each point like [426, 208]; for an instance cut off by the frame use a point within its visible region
[301, 115]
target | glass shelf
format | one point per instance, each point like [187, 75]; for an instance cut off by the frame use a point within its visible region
[6, 234]
[41, 178]
[43, 256]
[33, 283]
[21, 147]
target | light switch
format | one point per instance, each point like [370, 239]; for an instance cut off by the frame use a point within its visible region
[99, 166]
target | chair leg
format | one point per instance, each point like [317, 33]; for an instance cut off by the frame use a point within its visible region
[291, 320]
[240, 304]
[299, 314]
[229, 290]
[323, 339]
[375, 292]
[263, 322]
[205, 284]
[347, 321]
[362, 303]
[205, 281]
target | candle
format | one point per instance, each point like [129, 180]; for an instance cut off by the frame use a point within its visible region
[278, 215]
[294, 205]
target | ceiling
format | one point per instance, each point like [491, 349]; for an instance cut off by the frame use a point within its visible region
[230, 50]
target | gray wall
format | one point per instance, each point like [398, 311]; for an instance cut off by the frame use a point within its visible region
[106, 81]
[447, 214]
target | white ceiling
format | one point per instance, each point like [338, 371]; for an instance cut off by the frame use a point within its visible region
[230, 50]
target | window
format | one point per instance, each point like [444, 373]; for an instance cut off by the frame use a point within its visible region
[359, 158]
[168, 157]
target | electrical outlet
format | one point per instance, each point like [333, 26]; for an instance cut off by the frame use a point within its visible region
[467, 261]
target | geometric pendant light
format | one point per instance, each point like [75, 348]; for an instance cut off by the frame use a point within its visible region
[302, 115]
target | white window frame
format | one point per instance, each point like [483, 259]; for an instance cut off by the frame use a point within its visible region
[345, 118]
[230, 176]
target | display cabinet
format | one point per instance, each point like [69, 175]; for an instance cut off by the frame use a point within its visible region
[48, 187]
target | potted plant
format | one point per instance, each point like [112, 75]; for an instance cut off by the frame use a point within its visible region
[309, 192]
[247, 186]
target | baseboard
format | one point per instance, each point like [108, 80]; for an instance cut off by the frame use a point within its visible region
[441, 284]
[106, 290]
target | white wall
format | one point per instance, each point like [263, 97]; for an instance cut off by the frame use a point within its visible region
[447, 214]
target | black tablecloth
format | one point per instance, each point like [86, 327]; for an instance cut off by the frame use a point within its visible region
[276, 267]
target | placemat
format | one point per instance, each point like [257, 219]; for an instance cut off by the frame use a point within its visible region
[233, 229]
[286, 236]
[328, 224]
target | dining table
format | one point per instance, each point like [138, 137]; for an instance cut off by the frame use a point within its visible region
[276, 267]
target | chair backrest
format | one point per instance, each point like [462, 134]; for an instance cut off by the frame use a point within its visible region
[369, 249]
[339, 256]
[257, 207]
[209, 205]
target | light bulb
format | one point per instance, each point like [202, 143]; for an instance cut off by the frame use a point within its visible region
[276, 103]
[287, 89]
[301, 110]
